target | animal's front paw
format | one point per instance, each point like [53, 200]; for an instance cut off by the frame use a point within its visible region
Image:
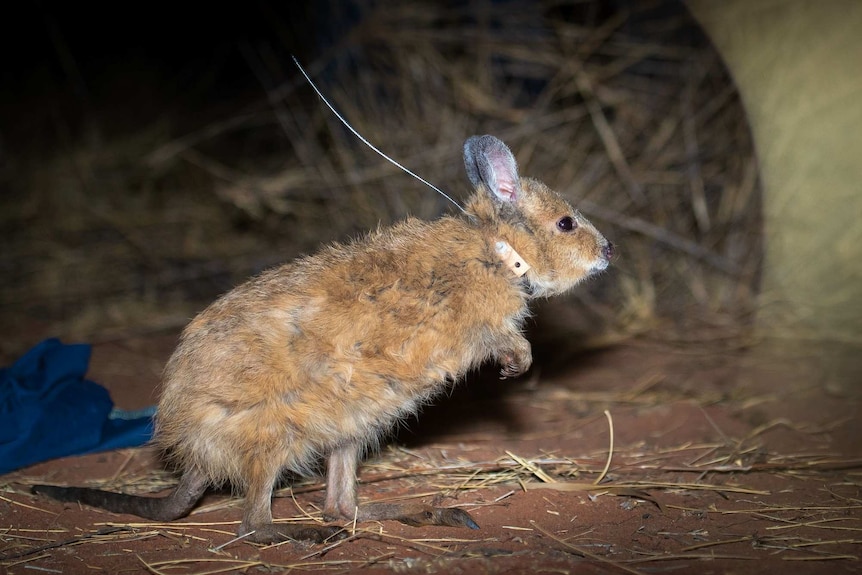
[515, 364]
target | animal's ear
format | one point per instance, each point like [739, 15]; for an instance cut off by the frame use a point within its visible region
[490, 162]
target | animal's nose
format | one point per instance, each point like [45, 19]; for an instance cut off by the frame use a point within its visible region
[608, 250]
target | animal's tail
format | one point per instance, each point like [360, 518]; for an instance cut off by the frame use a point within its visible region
[178, 504]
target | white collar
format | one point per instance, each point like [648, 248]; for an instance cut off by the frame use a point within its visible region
[511, 258]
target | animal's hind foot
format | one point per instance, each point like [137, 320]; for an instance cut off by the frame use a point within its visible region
[272, 533]
[448, 516]
[417, 515]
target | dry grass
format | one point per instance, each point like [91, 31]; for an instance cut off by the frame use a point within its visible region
[800, 532]
[629, 114]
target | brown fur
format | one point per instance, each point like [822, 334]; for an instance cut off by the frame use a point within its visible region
[319, 357]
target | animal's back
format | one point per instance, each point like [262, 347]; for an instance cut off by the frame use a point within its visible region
[332, 348]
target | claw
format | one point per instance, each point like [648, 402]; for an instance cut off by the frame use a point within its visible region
[456, 518]
[511, 370]
[468, 522]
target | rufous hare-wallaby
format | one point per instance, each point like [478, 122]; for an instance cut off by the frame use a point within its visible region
[319, 357]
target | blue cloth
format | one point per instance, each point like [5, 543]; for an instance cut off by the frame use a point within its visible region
[48, 409]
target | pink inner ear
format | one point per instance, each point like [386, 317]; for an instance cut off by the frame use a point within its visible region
[506, 176]
[507, 189]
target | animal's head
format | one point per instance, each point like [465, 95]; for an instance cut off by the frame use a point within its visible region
[560, 246]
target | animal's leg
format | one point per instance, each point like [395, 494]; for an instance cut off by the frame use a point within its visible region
[341, 482]
[341, 498]
[257, 517]
[178, 504]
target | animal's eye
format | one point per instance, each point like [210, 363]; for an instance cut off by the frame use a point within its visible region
[566, 224]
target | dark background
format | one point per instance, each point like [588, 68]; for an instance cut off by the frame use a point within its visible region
[153, 156]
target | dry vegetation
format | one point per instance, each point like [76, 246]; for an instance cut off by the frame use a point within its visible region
[710, 498]
[630, 114]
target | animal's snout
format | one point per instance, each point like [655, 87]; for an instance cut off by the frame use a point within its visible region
[607, 252]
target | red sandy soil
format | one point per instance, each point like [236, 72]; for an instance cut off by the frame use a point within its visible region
[722, 462]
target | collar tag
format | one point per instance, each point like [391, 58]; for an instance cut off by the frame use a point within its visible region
[511, 258]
